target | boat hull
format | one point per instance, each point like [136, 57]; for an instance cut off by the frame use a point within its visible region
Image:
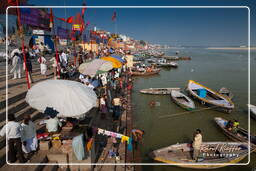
[252, 111]
[158, 91]
[145, 73]
[180, 155]
[233, 136]
[208, 103]
[191, 166]
[186, 107]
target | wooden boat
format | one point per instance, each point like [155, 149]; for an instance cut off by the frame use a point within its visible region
[212, 154]
[137, 73]
[209, 97]
[226, 92]
[185, 58]
[252, 110]
[182, 100]
[240, 136]
[158, 91]
[171, 57]
[167, 64]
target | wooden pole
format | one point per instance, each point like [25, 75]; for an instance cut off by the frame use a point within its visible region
[22, 44]
[55, 46]
[56, 55]
[74, 44]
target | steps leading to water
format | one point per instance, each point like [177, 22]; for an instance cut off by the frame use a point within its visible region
[17, 105]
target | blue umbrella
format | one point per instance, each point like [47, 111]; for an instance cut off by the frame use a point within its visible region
[118, 58]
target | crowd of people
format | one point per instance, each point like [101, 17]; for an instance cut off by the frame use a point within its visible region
[109, 87]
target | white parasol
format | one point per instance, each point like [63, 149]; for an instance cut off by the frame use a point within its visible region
[69, 98]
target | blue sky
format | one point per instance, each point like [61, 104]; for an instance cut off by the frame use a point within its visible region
[192, 27]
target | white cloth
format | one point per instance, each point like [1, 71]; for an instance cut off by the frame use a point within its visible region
[14, 51]
[17, 66]
[104, 80]
[90, 86]
[43, 66]
[52, 124]
[81, 77]
[197, 141]
[102, 101]
[117, 75]
[28, 131]
[117, 102]
[31, 145]
[54, 62]
[13, 130]
[63, 59]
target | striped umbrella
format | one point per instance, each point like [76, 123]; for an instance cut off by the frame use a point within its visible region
[115, 62]
[119, 58]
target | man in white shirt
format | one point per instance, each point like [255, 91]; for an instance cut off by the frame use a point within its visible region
[104, 79]
[53, 124]
[197, 141]
[28, 135]
[13, 130]
[63, 59]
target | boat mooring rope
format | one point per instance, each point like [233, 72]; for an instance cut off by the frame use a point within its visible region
[182, 113]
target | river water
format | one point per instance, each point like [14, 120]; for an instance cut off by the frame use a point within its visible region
[212, 68]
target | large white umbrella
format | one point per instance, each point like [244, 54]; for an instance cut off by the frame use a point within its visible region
[69, 98]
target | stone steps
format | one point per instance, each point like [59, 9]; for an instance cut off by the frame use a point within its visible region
[38, 158]
[51, 168]
[18, 92]
[36, 120]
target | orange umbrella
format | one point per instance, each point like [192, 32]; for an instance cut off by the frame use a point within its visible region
[116, 63]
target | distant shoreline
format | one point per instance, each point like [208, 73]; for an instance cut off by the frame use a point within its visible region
[231, 48]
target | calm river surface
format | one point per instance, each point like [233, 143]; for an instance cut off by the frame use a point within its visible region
[212, 68]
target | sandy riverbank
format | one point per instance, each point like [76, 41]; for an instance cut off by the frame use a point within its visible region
[231, 48]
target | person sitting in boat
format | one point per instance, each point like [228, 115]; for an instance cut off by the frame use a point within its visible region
[229, 125]
[197, 141]
[235, 126]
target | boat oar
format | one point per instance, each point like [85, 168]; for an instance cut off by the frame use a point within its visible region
[182, 113]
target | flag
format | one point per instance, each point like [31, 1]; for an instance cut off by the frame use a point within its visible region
[114, 16]
[12, 2]
[69, 19]
[51, 19]
[79, 21]
[63, 19]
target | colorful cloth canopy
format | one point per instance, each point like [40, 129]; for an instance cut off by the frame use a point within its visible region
[115, 62]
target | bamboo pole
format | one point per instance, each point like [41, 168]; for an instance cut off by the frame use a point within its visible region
[22, 44]
[55, 46]
[74, 44]
[56, 55]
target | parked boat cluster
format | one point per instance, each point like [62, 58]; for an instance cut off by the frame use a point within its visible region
[180, 154]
